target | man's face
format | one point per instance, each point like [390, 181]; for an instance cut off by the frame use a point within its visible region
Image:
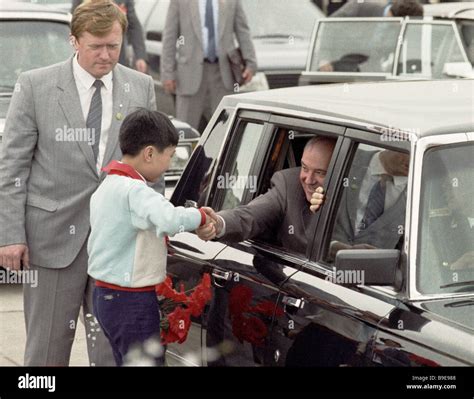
[99, 55]
[314, 166]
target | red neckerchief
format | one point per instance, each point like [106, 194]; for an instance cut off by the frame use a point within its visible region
[122, 169]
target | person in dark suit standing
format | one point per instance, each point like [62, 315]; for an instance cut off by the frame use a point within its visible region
[61, 128]
[134, 34]
[285, 208]
[197, 38]
[396, 8]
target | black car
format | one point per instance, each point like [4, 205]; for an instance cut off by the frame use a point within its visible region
[408, 302]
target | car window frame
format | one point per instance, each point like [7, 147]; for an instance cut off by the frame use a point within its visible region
[348, 147]
[426, 22]
[229, 152]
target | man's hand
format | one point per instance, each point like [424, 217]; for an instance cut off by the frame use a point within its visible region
[316, 199]
[247, 75]
[12, 256]
[141, 65]
[212, 227]
[169, 86]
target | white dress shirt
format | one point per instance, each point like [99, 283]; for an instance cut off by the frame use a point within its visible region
[394, 188]
[84, 83]
[202, 12]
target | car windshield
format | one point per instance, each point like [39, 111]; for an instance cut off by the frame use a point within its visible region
[355, 46]
[26, 45]
[446, 228]
[281, 18]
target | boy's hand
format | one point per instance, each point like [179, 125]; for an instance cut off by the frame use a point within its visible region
[212, 227]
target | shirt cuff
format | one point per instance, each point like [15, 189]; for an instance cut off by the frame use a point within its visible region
[222, 232]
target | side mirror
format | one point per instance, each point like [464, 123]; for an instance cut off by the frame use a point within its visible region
[365, 267]
[154, 35]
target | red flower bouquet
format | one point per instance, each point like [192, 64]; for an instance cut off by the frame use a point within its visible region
[245, 327]
[178, 307]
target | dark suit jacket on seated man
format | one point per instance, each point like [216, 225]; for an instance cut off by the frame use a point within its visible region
[284, 209]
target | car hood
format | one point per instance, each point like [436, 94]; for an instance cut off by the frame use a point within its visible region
[281, 53]
[455, 310]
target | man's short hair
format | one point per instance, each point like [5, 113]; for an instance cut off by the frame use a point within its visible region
[319, 140]
[406, 8]
[143, 128]
[97, 17]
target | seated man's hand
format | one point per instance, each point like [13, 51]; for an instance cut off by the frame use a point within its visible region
[212, 227]
[317, 199]
[464, 262]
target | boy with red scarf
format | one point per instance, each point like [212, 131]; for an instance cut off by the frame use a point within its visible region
[129, 224]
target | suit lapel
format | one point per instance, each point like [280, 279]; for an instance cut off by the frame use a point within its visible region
[71, 105]
[121, 100]
[196, 18]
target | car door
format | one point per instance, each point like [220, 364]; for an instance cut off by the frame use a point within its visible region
[188, 256]
[328, 319]
[243, 311]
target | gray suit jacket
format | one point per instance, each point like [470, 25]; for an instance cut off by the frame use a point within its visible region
[384, 232]
[281, 215]
[185, 62]
[355, 9]
[46, 184]
[134, 34]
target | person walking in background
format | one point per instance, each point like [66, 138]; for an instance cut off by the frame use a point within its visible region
[396, 8]
[134, 35]
[61, 127]
[198, 36]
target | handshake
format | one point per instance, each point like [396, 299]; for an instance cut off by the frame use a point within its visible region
[213, 226]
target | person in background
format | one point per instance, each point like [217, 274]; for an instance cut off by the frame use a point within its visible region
[198, 36]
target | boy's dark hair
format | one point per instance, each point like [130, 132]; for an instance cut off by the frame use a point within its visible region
[404, 8]
[143, 128]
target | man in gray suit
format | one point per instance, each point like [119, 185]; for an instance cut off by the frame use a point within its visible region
[134, 34]
[197, 38]
[61, 127]
[285, 208]
[372, 209]
[396, 8]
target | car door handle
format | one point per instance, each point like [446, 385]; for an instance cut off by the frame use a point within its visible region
[293, 302]
[220, 275]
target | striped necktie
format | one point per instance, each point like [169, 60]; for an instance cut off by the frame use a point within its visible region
[94, 119]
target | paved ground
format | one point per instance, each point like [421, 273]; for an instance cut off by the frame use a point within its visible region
[12, 330]
[13, 336]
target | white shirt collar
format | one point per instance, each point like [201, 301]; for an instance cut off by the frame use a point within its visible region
[376, 168]
[86, 79]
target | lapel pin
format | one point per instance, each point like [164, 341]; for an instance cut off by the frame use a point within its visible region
[119, 116]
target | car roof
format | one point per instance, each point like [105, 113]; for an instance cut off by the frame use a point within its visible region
[19, 10]
[449, 10]
[421, 107]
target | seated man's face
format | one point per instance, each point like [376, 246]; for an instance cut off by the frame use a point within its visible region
[314, 166]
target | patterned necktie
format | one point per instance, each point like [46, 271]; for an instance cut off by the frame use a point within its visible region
[375, 203]
[209, 22]
[94, 119]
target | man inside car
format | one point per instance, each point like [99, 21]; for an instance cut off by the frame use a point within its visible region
[285, 209]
